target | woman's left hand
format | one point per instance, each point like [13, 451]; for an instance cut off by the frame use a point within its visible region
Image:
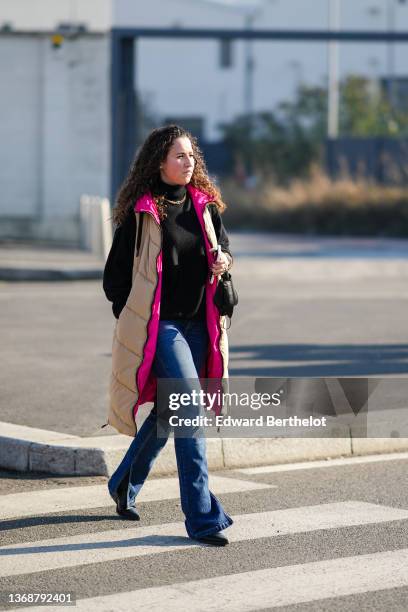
[220, 266]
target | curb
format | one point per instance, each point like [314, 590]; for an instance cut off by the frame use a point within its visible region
[49, 274]
[26, 449]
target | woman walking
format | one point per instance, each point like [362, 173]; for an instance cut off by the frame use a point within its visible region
[159, 276]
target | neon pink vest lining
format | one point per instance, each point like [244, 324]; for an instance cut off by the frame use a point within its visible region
[213, 368]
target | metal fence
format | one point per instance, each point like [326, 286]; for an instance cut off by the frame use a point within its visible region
[385, 160]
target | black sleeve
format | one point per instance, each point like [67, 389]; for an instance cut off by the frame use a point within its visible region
[220, 231]
[117, 275]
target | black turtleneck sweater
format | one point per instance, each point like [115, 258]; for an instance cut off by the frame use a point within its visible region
[185, 266]
[184, 259]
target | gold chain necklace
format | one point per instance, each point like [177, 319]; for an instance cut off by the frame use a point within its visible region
[183, 199]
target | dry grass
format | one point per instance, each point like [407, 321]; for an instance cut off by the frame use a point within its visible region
[320, 205]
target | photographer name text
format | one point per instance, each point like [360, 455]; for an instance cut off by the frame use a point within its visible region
[260, 421]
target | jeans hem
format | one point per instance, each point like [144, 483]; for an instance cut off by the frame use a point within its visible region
[212, 530]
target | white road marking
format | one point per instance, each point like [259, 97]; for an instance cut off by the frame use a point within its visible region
[49, 501]
[310, 465]
[272, 587]
[85, 549]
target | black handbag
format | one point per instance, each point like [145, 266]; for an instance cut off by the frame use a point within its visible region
[225, 296]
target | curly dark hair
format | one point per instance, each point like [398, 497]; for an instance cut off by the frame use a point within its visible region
[144, 173]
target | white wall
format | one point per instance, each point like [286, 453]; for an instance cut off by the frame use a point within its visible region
[369, 59]
[55, 141]
[19, 125]
[180, 78]
[170, 13]
[55, 126]
[47, 14]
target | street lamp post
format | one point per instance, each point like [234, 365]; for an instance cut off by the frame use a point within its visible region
[250, 11]
[249, 69]
[333, 65]
[391, 50]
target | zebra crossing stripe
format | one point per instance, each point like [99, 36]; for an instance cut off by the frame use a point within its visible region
[310, 465]
[71, 551]
[34, 503]
[267, 588]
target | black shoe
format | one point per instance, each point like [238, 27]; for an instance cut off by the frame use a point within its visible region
[216, 539]
[127, 513]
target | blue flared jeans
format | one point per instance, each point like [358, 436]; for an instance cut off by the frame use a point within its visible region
[181, 351]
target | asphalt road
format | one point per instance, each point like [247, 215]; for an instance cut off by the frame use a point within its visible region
[308, 307]
[329, 538]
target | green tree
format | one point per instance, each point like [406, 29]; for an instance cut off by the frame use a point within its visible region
[365, 110]
[284, 142]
